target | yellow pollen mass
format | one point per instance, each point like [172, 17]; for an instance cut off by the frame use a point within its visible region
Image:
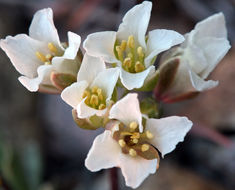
[120, 53]
[123, 45]
[94, 89]
[135, 141]
[140, 52]
[52, 47]
[131, 42]
[127, 62]
[122, 143]
[101, 106]
[40, 56]
[149, 135]
[139, 67]
[94, 100]
[144, 147]
[133, 125]
[132, 152]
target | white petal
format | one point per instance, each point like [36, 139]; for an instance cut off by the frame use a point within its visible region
[135, 80]
[32, 84]
[214, 50]
[213, 26]
[135, 170]
[90, 68]
[42, 28]
[68, 63]
[168, 132]
[127, 110]
[21, 50]
[107, 80]
[104, 153]
[159, 41]
[101, 44]
[84, 111]
[72, 95]
[135, 22]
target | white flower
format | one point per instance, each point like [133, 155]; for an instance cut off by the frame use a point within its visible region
[92, 92]
[131, 146]
[129, 48]
[37, 55]
[203, 49]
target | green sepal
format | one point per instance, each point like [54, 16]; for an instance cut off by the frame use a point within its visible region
[150, 83]
[115, 94]
[92, 124]
[149, 107]
[62, 80]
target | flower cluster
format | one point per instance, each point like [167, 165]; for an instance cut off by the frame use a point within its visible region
[98, 83]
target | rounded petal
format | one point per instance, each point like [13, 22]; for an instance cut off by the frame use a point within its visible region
[168, 132]
[127, 110]
[159, 41]
[104, 153]
[135, 170]
[21, 50]
[90, 68]
[101, 44]
[135, 22]
[32, 84]
[42, 28]
[135, 80]
[72, 95]
[107, 80]
[68, 63]
[84, 111]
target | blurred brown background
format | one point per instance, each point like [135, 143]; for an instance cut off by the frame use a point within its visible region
[41, 147]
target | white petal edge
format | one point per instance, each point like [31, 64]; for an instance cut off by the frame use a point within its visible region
[72, 95]
[107, 80]
[135, 22]
[135, 80]
[168, 132]
[104, 153]
[42, 28]
[101, 44]
[90, 68]
[84, 111]
[21, 50]
[127, 110]
[136, 170]
[32, 84]
[161, 40]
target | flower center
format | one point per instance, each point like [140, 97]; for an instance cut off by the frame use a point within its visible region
[134, 143]
[95, 98]
[131, 56]
[46, 59]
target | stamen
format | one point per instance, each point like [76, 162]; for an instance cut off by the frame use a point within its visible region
[94, 100]
[94, 89]
[144, 147]
[139, 67]
[131, 42]
[123, 45]
[122, 143]
[135, 141]
[120, 53]
[48, 56]
[47, 63]
[133, 125]
[41, 57]
[85, 94]
[102, 106]
[52, 47]
[149, 135]
[140, 52]
[132, 152]
[127, 62]
[135, 135]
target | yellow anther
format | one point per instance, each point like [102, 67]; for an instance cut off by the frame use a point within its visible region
[102, 106]
[48, 56]
[120, 53]
[130, 55]
[99, 91]
[144, 147]
[47, 63]
[52, 47]
[135, 135]
[85, 94]
[101, 97]
[131, 42]
[132, 152]
[122, 143]
[41, 57]
[140, 52]
[135, 141]
[139, 67]
[127, 62]
[94, 89]
[123, 45]
[149, 135]
[94, 100]
[133, 125]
